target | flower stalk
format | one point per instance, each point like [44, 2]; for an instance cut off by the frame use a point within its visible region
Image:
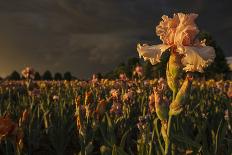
[187, 53]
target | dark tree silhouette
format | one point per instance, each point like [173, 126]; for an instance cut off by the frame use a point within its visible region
[148, 70]
[99, 75]
[37, 76]
[14, 76]
[58, 76]
[114, 74]
[47, 75]
[131, 64]
[68, 76]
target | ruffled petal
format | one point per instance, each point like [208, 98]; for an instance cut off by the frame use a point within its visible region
[187, 30]
[151, 53]
[196, 58]
[166, 29]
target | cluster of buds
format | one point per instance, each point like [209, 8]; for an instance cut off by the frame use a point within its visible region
[28, 73]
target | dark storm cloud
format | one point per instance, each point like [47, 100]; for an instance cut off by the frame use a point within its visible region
[86, 36]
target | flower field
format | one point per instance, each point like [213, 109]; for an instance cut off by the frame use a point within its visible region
[182, 114]
[111, 117]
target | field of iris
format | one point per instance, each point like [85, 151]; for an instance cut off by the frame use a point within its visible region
[110, 117]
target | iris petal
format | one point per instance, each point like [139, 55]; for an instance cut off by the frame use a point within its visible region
[196, 58]
[152, 53]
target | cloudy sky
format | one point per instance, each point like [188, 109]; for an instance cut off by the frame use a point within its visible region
[89, 36]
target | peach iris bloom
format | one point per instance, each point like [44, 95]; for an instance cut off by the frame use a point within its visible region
[179, 32]
[28, 73]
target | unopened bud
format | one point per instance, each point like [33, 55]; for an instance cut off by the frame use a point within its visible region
[161, 105]
[176, 106]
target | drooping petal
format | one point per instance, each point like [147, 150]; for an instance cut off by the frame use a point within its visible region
[151, 53]
[196, 58]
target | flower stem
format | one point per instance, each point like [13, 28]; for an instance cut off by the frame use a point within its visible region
[168, 141]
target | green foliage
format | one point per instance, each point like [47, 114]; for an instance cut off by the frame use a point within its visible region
[14, 76]
[150, 71]
[37, 76]
[121, 68]
[47, 75]
[67, 76]
[58, 76]
[131, 64]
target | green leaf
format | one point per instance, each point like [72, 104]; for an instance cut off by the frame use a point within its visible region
[104, 137]
[220, 135]
[123, 140]
[186, 140]
[110, 130]
[158, 135]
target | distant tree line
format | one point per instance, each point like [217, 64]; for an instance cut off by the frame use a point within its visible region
[47, 75]
[219, 69]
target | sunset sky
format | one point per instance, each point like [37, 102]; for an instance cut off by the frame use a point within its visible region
[89, 36]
